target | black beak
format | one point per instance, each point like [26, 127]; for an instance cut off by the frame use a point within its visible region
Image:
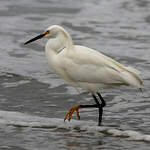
[36, 38]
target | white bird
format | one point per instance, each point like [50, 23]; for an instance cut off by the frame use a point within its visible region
[83, 67]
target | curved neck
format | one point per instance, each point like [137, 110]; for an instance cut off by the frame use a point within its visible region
[61, 41]
[69, 43]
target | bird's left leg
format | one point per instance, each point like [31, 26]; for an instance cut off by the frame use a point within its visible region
[71, 111]
[97, 105]
[76, 108]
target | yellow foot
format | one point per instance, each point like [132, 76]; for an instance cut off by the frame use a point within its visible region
[71, 111]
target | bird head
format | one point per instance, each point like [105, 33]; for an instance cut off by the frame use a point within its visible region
[50, 32]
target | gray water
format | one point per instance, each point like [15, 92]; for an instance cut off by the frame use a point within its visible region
[118, 28]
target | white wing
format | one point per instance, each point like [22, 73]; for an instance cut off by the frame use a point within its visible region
[87, 65]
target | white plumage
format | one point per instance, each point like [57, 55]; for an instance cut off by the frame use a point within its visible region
[84, 67]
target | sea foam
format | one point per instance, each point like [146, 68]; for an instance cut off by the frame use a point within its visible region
[18, 119]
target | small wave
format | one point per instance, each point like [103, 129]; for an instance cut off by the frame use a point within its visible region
[24, 120]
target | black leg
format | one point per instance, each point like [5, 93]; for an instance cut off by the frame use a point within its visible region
[102, 100]
[89, 106]
[100, 110]
[97, 105]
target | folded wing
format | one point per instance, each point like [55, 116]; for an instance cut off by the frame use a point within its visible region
[87, 65]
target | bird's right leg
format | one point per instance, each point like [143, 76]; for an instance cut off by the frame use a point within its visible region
[100, 106]
[103, 103]
[97, 105]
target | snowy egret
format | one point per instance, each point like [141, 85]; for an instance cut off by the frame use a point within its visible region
[84, 67]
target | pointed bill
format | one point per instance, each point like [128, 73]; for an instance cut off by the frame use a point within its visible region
[35, 38]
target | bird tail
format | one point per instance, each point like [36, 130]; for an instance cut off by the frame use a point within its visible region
[130, 75]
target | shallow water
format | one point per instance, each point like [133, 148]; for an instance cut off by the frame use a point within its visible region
[31, 95]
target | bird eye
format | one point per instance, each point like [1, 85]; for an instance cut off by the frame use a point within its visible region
[46, 32]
